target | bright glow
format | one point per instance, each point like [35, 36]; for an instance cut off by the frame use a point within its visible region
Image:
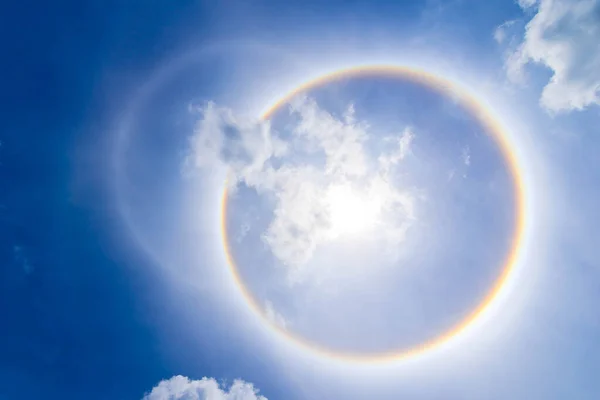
[350, 211]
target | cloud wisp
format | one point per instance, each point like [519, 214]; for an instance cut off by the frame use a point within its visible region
[273, 316]
[180, 388]
[466, 155]
[318, 169]
[500, 33]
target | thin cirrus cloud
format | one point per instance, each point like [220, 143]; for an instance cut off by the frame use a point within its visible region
[501, 32]
[275, 164]
[563, 36]
[180, 388]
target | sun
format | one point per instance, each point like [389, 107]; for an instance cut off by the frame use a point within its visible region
[350, 211]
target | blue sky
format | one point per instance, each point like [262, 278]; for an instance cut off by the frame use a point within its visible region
[113, 277]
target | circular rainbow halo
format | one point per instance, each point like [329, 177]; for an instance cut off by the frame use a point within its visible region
[356, 204]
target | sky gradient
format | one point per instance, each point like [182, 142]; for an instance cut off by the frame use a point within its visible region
[121, 122]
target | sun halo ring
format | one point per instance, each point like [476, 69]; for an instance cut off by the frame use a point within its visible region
[492, 126]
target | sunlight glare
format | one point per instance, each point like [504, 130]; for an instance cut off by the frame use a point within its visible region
[351, 212]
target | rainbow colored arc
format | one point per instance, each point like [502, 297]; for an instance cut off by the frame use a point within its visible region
[491, 125]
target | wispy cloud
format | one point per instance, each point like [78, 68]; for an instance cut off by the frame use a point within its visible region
[399, 152]
[527, 3]
[466, 155]
[341, 140]
[273, 316]
[243, 231]
[182, 388]
[245, 146]
[562, 36]
[451, 174]
[500, 33]
[276, 164]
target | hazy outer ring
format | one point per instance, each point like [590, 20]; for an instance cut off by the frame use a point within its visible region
[491, 126]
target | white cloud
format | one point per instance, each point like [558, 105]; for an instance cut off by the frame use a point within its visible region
[244, 145]
[300, 221]
[340, 139]
[563, 35]
[182, 388]
[301, 170]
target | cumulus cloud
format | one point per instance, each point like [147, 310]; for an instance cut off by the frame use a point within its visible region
[312, 170]
[182, 388]
[563, 35]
